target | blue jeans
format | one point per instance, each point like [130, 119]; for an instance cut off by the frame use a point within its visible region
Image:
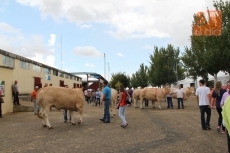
[106, 110]
[122, 114]
[180, 100]
[65, 116]
[169, 100]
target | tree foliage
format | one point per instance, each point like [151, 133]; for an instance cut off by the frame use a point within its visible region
[209, 54]
[164, 63]
[119, 78]
[140, 77]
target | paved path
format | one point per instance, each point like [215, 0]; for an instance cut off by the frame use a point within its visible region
[149, 131]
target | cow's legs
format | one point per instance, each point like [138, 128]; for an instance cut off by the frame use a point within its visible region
[72, 117]
[159, 103]
[46, 111]
[80, 110]
[135, 102]
[112, 108]
[141, 103]
[153, 104]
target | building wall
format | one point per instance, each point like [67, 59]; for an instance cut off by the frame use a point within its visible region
[6, 75]
[25, 78]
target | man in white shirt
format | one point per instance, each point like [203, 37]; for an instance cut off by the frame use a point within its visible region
[202, 94]
[180, 97]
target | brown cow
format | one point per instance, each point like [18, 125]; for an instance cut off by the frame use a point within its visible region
[59, 98]
[154, 94]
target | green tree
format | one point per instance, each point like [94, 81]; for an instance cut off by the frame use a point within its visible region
[140, 77]
[165, 66]
[119, 77]
[224, 40]
[208, 54]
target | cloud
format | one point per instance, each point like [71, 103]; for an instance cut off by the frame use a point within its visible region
[85, 26]
[128, 19]
[52, 40]
[149, 47]
[89, 65]
[119, 54]
[87, 51]
[31, 46]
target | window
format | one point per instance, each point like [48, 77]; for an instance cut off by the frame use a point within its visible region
[37, 68]
[7, 61]
[75, 78]
[61, 75]
[46, 71]
[24, 65]
[71, 77]
[67, 76]
[55, 72]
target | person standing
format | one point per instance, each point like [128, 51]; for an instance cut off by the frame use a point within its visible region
[65, 112]
[85, 93]
[98, 96]
[180, 97]
[94, 97]
[33, 98]
[146, 102]
[107, 100]
[169, 100]
[217, 95]
[130, 94]
[122, 105]
[46, 85]
[1, 101]
[16, 93]
[203, 100]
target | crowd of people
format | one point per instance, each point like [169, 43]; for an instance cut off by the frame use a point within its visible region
[207, 98]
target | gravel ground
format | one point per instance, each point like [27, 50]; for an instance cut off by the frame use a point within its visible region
[149, 131]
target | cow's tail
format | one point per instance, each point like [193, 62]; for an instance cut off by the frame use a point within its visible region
[38, 113]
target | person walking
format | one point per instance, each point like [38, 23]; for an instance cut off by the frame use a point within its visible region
[16, 93]
[98, 96]
[122, 105]
[65, 112]
[223, 100]
[203, 100]
[217, 95]
[180, 97]
[107, 100]
[169, 100]
[34, 98]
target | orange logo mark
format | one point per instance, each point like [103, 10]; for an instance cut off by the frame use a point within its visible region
[212, 27]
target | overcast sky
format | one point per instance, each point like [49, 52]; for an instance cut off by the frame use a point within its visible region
[125, 30]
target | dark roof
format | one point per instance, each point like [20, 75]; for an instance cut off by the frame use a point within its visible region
[95, 75]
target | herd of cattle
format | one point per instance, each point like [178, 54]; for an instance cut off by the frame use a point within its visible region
[73, 100]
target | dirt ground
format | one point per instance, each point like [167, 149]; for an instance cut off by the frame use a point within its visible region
[149, 131]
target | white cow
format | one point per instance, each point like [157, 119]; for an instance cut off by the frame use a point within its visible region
[59, 98]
